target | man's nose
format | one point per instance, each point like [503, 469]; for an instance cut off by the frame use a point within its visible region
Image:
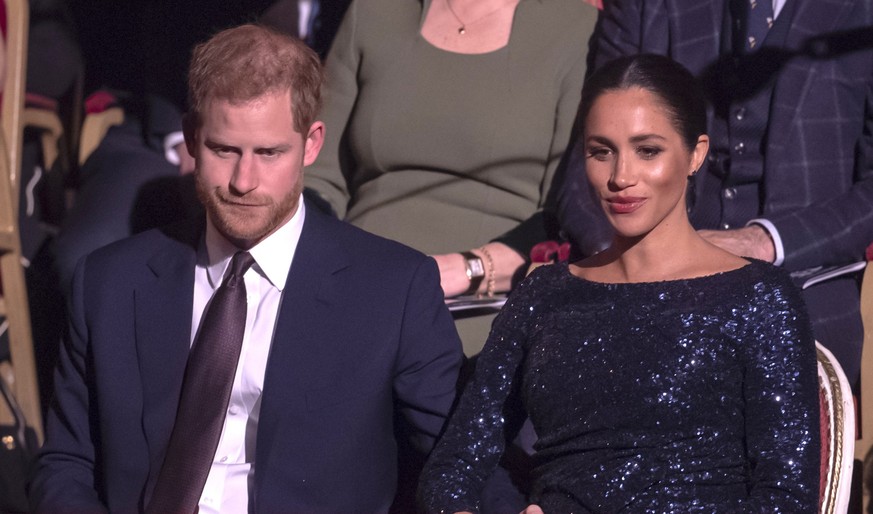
[245, 174]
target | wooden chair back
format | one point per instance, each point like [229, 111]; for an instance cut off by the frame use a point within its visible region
[20, 370]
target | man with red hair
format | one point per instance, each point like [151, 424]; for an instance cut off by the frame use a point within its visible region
[262, 359]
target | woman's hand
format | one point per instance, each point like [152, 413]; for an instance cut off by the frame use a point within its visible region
[532, 509]
[453, 274]
[500, 261]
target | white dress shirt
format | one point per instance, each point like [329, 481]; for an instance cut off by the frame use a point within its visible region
[777, 7]
[230, 477]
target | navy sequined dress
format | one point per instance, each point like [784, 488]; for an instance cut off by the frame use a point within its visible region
[696, 395]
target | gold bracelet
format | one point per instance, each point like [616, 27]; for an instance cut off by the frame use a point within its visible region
[489, 275]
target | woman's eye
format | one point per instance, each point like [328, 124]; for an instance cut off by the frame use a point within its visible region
[648, 152]
[600, 153]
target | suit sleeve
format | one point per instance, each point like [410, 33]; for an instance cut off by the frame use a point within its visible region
[325, 176]
[837, 230]
[429, 358]
[64, 480]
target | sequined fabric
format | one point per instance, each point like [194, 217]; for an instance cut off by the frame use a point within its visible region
[695, 395]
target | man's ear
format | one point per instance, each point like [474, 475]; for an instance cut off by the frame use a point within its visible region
[189, 130]
[313, 143]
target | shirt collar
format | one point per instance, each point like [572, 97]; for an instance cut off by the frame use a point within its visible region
[273, 255]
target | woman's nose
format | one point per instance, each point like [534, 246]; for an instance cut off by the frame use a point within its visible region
[623, 174]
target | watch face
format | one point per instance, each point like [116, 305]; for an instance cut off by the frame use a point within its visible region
[476, 268]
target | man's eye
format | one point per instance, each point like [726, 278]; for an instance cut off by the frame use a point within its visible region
[269, 152]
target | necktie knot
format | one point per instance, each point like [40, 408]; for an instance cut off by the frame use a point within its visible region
[240, 263]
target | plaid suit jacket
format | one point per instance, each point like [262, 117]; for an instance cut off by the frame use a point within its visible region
[818, 166]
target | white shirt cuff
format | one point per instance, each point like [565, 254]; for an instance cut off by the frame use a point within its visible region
[774, 235]
[171, 140]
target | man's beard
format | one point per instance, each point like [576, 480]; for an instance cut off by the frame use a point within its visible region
[241, 227]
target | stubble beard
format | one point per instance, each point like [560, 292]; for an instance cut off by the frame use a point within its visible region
[246, 226]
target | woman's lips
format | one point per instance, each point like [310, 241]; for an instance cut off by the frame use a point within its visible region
[625, 204]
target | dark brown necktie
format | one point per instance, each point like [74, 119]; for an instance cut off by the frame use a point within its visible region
[205, 394]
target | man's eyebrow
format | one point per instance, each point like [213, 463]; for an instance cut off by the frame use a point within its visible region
[212, 143]
[282, 147]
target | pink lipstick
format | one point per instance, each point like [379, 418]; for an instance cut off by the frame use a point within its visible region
[624, 204]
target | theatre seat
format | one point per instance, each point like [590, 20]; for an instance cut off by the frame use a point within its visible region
[864, 443]
[837, 415]
[41, 113]
[101, 113]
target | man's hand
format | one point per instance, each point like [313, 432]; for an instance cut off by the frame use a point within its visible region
[532, 509]
[752, 241]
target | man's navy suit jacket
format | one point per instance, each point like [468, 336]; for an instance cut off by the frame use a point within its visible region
[362, 332]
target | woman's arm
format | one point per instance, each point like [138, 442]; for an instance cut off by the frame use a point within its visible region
[500, 263]
[782, 403]
[475, 437]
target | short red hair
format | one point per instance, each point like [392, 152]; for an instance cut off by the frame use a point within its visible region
[243, 63]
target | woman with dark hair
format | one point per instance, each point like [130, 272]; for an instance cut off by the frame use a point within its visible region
[662, 374]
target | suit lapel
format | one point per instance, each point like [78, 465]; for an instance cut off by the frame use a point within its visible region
[163, 331]
[311, 289]
[810, 17]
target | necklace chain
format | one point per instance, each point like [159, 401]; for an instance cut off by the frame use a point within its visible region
[463, 28]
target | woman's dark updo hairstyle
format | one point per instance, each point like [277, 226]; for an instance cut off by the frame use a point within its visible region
[663, 77]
